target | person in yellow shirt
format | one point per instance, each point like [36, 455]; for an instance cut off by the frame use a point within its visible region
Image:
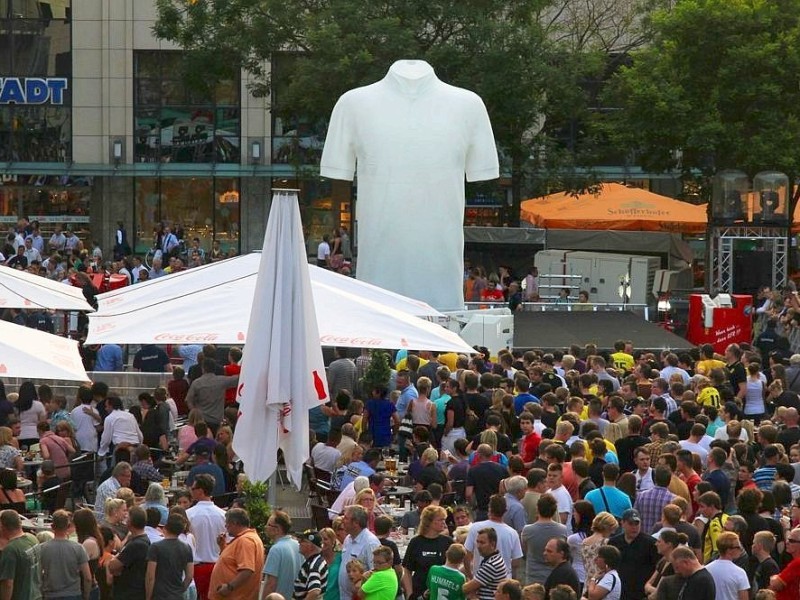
[707, 394]
[708, 360]
[620, 359]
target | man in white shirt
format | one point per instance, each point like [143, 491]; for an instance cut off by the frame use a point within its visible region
[119, 427]
[508, 542]
[643, 472]
[31, 253]
[359, 544]
[120, 477]
[324, 252]
[208, 522]
[692, 444]
[731, 580]
[325, 456]
[555, 473]
[85, 418]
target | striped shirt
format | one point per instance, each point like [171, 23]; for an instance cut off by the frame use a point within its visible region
[490, 573]
[313, 575]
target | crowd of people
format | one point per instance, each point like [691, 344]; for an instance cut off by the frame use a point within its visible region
[601, 473]
[63, 255]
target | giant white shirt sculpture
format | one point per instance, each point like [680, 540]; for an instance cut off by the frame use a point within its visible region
[412, 138]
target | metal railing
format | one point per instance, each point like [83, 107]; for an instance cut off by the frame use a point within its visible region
[126, 384]
[642, 309]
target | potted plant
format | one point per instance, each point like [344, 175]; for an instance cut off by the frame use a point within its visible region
[255, 503]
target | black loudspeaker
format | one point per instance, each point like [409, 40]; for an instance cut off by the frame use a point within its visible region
[751, 270]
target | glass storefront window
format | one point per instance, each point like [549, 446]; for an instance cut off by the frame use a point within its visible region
[202, 207]
[48, 199]
[179, 124]
[35, 44]
[324, 205]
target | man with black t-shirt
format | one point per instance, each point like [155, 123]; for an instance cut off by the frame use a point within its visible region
[557, 555]
[476, 402]
[483, 480]
[130, 565]
[698, 582]
[150, 359]
[737, 375]
[638, 555]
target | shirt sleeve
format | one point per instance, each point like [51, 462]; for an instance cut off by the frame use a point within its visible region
[339, 153]
[481, 159]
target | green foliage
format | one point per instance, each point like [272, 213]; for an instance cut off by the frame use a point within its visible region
[255, 502]
[377, 372]
[719, 82]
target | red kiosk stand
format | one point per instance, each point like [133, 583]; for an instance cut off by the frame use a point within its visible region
[722, 320]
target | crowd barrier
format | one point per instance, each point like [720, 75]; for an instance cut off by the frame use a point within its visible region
[125, 384]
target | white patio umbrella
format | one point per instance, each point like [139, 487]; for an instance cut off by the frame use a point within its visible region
[20, 289]
[34, 354]
[212, 304]
[283, 372]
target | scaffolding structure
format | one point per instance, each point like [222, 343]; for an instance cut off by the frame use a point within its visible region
[722, 239]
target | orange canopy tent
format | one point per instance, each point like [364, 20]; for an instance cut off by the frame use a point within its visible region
[616, 207]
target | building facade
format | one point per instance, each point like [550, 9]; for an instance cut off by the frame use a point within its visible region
[97, 126]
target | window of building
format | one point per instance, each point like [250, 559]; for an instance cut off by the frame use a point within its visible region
[199, 207]
[177, 123]
[36, 70]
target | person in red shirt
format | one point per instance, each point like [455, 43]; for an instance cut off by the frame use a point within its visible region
[746, 482]
[232, 368]
[529, 443]
[786, 584]
[178, 387]
[687, 473]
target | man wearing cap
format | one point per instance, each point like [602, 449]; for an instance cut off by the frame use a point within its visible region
[203, 464]
[638, 555]
[313, 576]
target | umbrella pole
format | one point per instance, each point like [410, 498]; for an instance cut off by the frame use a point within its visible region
[272, 490]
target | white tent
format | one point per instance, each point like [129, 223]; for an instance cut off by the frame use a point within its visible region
[34, 354]
[212, 303]
[20, 289]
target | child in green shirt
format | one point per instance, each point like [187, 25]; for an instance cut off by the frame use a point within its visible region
[381, 582]
[445, 581]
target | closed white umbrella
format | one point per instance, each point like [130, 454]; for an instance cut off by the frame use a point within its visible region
[20, 289]
[34, 354]
[212, 304]
[283, 373]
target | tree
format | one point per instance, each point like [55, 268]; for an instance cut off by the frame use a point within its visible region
[377, 374]
[497, 48]
[716, 89]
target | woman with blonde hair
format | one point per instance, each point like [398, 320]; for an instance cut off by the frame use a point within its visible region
[332, 554]
[116, 519]
[186, 434]
[433, 541]
[128, 496]
[487, 437]
[225, 438]
[10, 457]
[423, 411]
[603, 525]
[366, 499]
